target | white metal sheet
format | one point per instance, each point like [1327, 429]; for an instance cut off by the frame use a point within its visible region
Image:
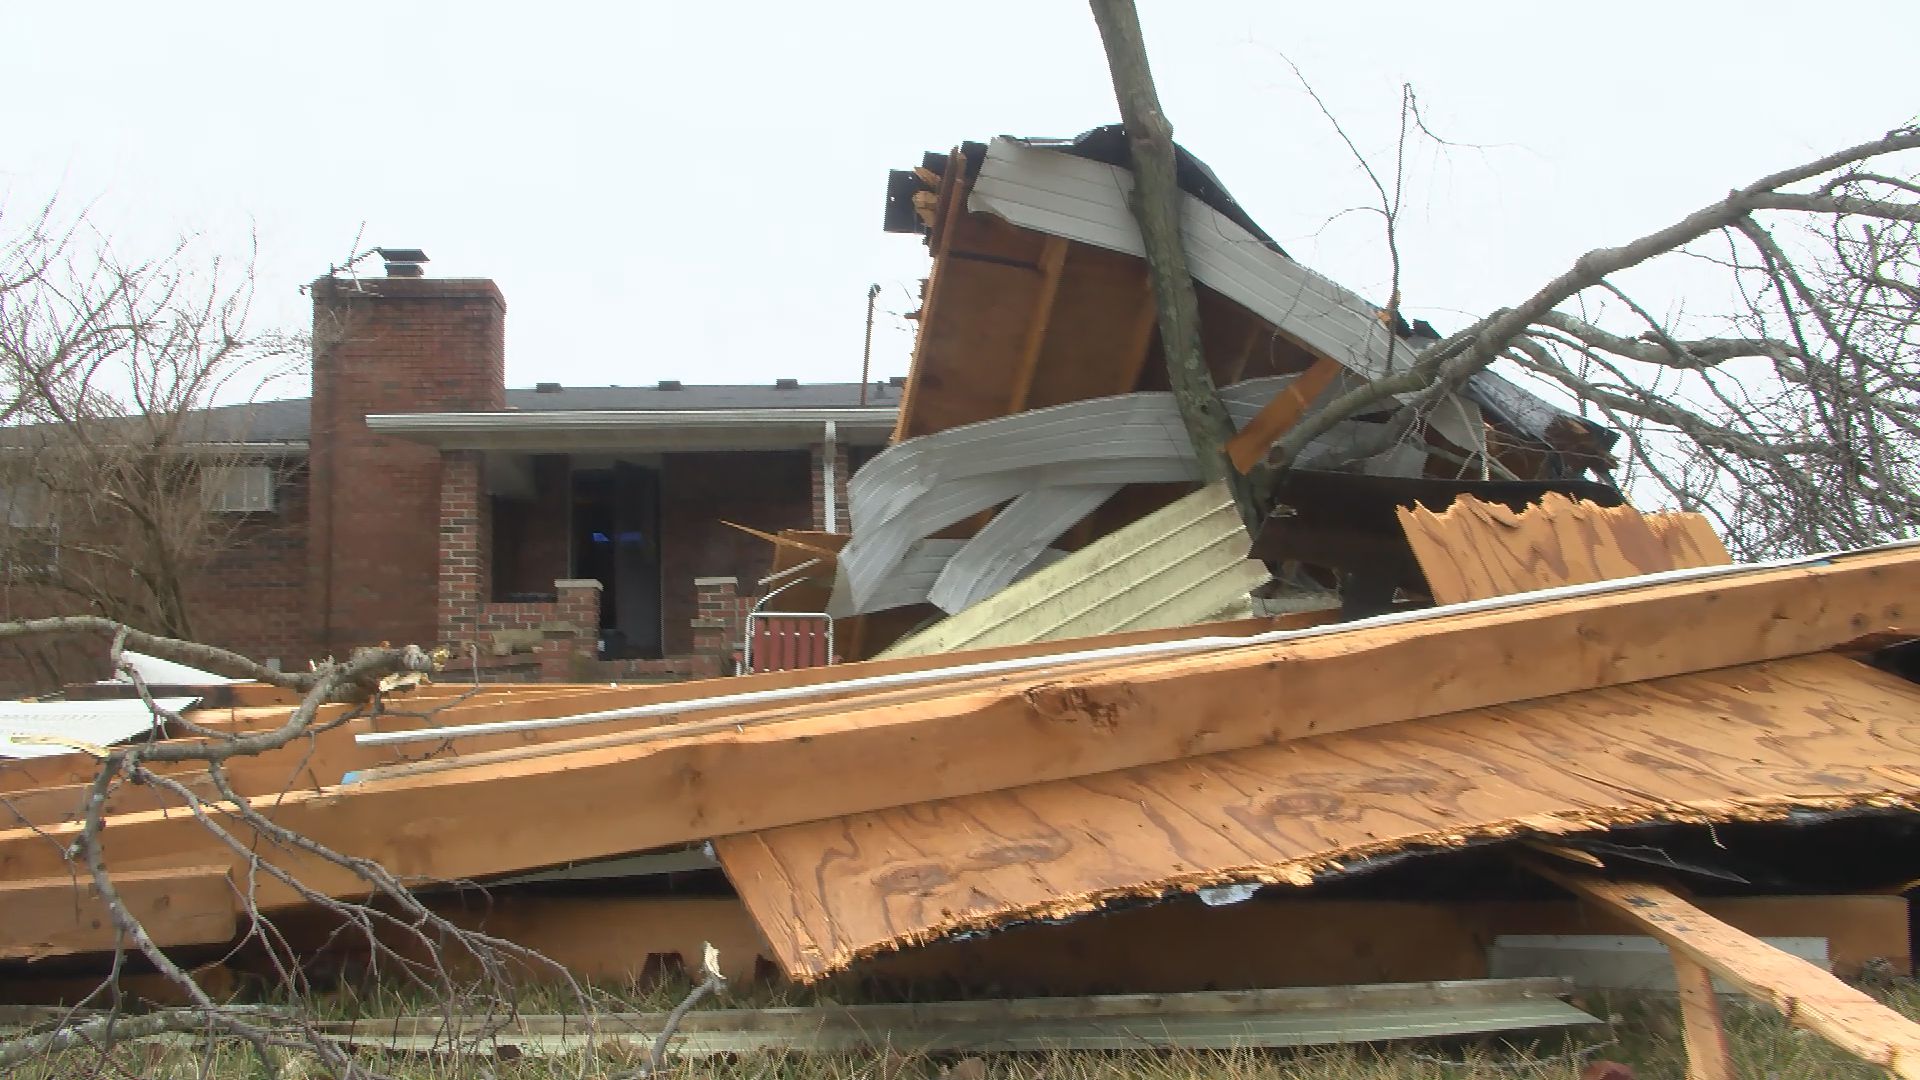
[67, 724]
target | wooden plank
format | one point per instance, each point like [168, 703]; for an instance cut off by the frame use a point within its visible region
[1476, 549]
[324, 758]
[1701, 1026]
[1807, 996]
[1746, 744]
[1053, 261]
[57, 916]
[740, 777]
[1249, 447]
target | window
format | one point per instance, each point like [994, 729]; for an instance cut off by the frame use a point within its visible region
[239, 489]
[29, 535]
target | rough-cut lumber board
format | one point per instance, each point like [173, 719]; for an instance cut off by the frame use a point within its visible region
[1748, 743]
[328, 756]
[56, 916]
[1247, 448]
[1805, 995]
[1477, 549]
[508, 817]
[1218, 1021]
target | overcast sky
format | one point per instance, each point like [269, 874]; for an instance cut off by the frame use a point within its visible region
[694, 191]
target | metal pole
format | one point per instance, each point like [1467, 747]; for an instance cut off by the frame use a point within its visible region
[866, 353]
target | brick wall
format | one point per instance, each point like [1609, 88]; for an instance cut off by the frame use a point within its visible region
[766, 490]
[251, 596]
[389, 345]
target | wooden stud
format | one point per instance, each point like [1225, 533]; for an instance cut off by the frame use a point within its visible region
[1701, 1026]
[1249, 447]
[1053, 261]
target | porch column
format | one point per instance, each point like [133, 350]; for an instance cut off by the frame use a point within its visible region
[465, 530]
[819, 457]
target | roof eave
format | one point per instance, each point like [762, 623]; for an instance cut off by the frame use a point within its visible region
[638, 430]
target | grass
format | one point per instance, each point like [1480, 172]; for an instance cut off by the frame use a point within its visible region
[1641, 1031]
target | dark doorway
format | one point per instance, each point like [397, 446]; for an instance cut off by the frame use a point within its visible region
[616, 525]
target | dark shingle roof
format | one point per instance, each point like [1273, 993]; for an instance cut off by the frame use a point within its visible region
[286, 420]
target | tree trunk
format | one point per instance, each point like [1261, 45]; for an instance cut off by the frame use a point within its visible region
[1156, 204]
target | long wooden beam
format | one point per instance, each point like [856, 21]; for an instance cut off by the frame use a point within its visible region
[516, 815]
[328, 756]
[1807, 996]
[63, 914]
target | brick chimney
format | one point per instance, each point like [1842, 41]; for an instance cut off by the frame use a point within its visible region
[389, 345]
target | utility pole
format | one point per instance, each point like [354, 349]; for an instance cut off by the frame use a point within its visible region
[866, 353]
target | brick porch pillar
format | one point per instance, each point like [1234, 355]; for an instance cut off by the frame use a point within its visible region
[572, 641]
[719, 625]
[463, 574]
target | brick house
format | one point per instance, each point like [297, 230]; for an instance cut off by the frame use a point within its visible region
[564, 532]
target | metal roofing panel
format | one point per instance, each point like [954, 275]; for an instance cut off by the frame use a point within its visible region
[1171, 568]
[65, 725]
[1012, 541]
[916, 488]
[1215, 1020]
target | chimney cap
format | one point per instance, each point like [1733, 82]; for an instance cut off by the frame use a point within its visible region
[402, 262]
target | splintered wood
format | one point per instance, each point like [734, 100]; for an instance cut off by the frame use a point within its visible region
[1742, 743]
[1476, 549]
[1807, 996]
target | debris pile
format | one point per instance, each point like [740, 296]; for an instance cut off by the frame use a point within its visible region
[1104, 740]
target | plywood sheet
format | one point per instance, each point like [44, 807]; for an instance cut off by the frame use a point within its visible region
[1476, 549]
[1748, 742]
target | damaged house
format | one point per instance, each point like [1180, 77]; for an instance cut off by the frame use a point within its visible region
[1460, 719]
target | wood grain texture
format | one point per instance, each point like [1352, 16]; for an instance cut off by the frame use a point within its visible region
[1250, 446]
[1705, 1034]
[60, 916]
[1476, 549]
[1744, 743]
[1807, 996]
